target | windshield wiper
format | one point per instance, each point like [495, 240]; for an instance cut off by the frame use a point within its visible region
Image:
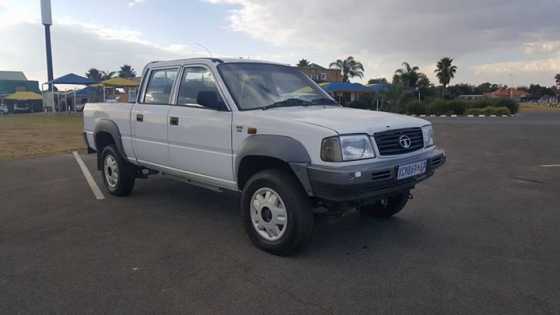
[287, 103]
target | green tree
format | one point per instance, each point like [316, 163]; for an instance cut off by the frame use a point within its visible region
[557, 78]
[377, 81]
[349, 68]
[487, 87]
[106, 75]
[98, 75]
[95, 75]
[127, 72]
[407, 76]
[393, 98]
[423, 81]
[303, 63]
[445, 71]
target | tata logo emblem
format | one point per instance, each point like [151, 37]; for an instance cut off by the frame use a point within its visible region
[405, 141]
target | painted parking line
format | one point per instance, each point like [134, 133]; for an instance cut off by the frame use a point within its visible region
[89, 179]
[551, 165]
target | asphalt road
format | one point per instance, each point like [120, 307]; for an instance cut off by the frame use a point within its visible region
[481, 237]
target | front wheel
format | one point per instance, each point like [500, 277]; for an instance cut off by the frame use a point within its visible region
[276, 212]
[387, 207]
[118, 175]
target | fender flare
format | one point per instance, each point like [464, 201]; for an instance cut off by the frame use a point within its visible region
[284, 148]
[110, 127]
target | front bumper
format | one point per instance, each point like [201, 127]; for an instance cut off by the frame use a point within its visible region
[377, 179]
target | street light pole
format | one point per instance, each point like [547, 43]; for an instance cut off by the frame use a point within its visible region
[46, 19]
[49, 56]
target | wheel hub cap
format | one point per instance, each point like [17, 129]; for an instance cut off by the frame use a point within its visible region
[268, 214]
[111, 171]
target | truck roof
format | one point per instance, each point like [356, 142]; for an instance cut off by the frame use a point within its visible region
[208, 59]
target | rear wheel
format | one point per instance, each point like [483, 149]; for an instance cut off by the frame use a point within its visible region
[118, 175]
[276, 212]
[386, 207]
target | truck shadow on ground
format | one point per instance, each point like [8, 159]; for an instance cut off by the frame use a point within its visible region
[345, 235]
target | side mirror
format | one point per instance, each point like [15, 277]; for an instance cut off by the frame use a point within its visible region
[210, 99]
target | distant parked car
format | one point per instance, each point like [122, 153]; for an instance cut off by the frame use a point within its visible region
[3, 110]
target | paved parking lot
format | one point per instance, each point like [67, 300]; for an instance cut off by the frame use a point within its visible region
[481, 237]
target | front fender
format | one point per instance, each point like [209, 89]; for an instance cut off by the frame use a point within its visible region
[284, 148]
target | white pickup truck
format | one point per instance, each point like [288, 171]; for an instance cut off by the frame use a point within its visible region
[267, 131]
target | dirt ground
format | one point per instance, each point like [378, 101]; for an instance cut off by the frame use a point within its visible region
[25, 136]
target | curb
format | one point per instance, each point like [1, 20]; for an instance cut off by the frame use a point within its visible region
[456, 116]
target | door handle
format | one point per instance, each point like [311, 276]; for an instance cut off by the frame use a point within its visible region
[139, 117]
[174, 121]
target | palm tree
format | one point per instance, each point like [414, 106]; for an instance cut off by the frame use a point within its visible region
[106, 75]
[445, 71]
[407, 75]
[98, 75]
[303, 63]
[127, 72]
[349, 67]
[94, 75]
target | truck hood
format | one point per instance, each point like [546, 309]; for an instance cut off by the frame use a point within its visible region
[345, 120]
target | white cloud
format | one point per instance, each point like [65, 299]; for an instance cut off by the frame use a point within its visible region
[486, 37]
[78, 47]
[550, 65]
[135, 2]
[519, 72]
[386, 32]
[541, 47]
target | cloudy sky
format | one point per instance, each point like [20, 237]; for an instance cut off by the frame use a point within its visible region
[504, 41]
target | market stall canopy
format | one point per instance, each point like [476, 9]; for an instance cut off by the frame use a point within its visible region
[73, 79]
[120, 83]
[24, 96]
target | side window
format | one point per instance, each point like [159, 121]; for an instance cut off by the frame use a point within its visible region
[198, 88]
[159, 86]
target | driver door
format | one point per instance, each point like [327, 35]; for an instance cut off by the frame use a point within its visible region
[199, 129]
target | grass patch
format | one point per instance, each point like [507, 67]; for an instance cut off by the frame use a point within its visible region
[25, 136]
[535, 107]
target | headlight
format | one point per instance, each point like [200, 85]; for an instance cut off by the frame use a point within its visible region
[428, 133]
[347, 148]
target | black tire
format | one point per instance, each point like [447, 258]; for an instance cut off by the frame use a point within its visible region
[125, 176]
[299, 226]
[386, 208]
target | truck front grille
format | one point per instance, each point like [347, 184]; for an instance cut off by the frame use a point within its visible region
[388, 141]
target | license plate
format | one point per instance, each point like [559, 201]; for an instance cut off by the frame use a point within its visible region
[412, 169]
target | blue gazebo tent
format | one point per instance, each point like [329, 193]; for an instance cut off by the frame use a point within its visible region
[73, 79]
[348, 87]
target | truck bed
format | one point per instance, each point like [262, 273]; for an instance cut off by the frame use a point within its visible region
[119, 113]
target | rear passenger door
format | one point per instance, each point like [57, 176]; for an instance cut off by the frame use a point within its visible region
[199, 129]
[149, 117]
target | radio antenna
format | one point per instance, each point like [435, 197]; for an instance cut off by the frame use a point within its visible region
[205, 48]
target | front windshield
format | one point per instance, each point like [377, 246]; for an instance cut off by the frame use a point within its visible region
[256, 85]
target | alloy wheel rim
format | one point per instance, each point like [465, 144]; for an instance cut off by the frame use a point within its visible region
[111, 170]
[268, 214]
